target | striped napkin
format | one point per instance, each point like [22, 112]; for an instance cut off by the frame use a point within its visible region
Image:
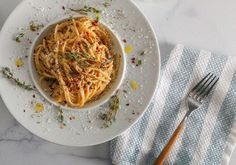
[210, 133]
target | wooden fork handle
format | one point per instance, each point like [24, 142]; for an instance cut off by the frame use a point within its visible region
[165, 152]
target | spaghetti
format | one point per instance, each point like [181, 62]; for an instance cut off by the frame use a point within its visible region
[75, 61]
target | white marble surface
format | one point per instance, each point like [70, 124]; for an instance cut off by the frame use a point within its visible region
[205, 24]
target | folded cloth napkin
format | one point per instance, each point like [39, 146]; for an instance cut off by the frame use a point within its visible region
[210, 133]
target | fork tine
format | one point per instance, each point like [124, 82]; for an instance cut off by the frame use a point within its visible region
[210, 89]
[198, 85]
[206, 85]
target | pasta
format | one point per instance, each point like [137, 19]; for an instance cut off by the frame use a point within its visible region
[75, 62]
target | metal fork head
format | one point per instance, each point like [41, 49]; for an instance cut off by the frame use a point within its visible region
[200, 92]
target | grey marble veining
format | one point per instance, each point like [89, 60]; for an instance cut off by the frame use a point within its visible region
[17, 145]
[203, 24]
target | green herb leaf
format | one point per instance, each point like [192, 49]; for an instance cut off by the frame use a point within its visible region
[19, 36]
[139, 62]
[71, 17]
[86, 10]
[142, 53]
[60, 116]
[98, 17]
[72, 56]
[76, 56]
[106, 4]
[35, 27]
[86, 55]
[110, 116]
[8, 74]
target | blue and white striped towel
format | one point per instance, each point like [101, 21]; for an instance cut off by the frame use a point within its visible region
[209, 134]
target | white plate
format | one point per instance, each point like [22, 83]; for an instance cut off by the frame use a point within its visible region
[128, 23]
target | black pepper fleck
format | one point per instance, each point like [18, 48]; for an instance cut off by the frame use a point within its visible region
[125, 91]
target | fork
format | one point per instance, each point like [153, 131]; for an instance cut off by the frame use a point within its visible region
[194, 100]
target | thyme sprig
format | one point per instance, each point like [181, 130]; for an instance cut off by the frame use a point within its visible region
[77, 56]
[85, 10]
[19, 36]
[8, 74]
[73, 56]
[60, 116]
[110, 115]
[35, 27]
[83, 59]
[107, 3]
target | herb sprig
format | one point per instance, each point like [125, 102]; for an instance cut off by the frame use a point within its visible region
[86, 9]
[8, 74]
[19, 36]
[110, 116]
[73, 56]
[143, 53]
[107, 3]
[76, 56]
[81, 58]
[139, 63]
[60, 117]
[35, 27]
